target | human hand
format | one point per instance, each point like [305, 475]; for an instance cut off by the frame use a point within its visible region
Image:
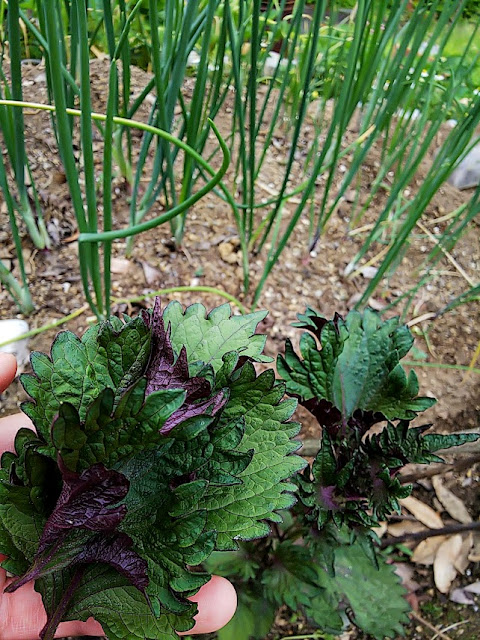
[22, 615]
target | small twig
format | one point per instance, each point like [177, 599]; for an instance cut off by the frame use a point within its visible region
[451, 626]
[426, 316]
[426, 623]
[439, 469]
[396, 517]
[448, 255]
[430, 533]
[311, 636]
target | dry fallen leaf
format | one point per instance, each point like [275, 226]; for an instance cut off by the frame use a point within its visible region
[426, 551]
[473, 588]
[444, 571]
[381, 530]
[475, 553]
[452, 503]
[460, 596]
[405, 572]
[422, 512]
[464, 594]
[404, 527]
[463, 561]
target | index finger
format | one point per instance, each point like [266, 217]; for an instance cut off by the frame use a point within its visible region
[11, 424]
[8, 430]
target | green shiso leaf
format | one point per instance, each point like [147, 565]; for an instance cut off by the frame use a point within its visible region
[238, 512]
[208, 338]
[357, 367]
[368, 591]
[110, 355]
[349, 376]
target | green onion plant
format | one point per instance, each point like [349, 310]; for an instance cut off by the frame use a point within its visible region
[376, 79]
[64, 36]
[365, 74]
[12, 127]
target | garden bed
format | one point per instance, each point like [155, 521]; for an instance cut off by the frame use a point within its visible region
[210, 256]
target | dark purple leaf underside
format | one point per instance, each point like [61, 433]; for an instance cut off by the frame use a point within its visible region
[87, 501]
[164, 372]
[117, 552]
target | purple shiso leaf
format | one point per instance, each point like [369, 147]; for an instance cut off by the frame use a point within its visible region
[36, 570]
[87, 501]
[164, 372]
[188, 411]
[326, 498]
[116, 551]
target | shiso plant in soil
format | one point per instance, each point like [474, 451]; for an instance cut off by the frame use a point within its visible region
[156, 443]
[323, 560]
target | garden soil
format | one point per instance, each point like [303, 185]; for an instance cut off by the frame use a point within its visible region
[210, 256]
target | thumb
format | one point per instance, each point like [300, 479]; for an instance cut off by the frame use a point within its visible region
[22, 616]
[8, 369]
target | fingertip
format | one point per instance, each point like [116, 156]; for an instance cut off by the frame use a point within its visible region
[79, 629]
[217, 602]
[8, 369]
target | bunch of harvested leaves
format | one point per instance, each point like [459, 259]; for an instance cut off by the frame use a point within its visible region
[155, 444]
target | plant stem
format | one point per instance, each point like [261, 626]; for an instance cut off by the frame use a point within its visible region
[437, 469]
[21, 295]
[201, 289]
[48, 631]
[47, 327]
[40, 239]
[439, 365]
[66, 143]
[87, 152]
[429, 625]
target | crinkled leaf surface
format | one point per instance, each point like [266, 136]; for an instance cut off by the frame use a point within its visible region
[292, 579]
[207, 338]
[165, 371]
[349, 376]
[111, 434]
[375, 596]
[122, 609]
[109, 355]
[237, 511]
[400, 444]
[22, 523]
[89, 500]
[357, 367]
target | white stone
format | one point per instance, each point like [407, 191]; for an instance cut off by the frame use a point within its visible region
[271, 63]
[193, 59]
[467, 173]
[10, 329]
